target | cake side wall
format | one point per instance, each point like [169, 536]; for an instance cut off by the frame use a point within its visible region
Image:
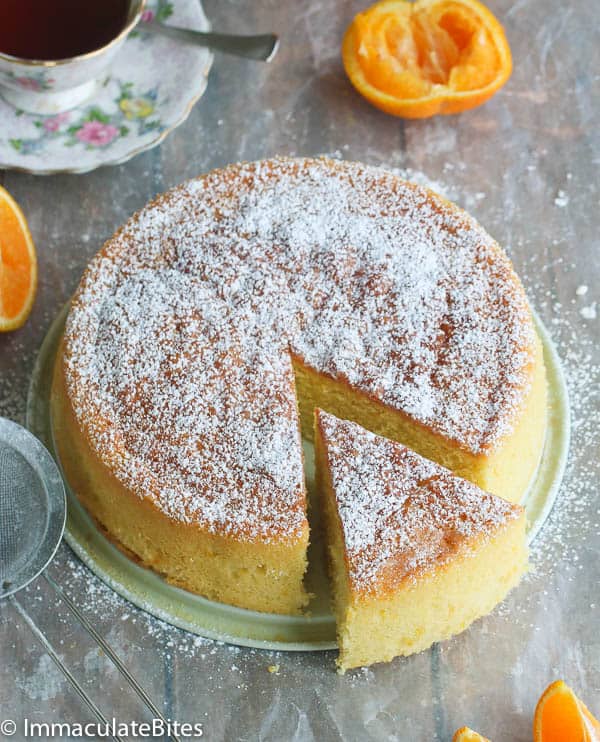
[438, 605]
[510, 468]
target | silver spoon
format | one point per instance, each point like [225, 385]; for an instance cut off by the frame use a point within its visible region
[32, 520]
[262, 47]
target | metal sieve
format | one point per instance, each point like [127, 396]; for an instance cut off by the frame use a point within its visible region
[32, 520]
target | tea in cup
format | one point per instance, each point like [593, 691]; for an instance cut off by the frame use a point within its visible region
[54, 53]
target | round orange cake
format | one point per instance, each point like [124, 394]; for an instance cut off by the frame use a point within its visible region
[206, 331]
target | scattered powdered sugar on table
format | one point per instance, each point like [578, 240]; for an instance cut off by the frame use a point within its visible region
[13, 390]
[44, 682]
[179, 341]
[562, 199]
[396, 505]
[589, 312]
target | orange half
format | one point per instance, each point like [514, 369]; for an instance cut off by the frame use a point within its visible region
[18, 265]
[561, 717]
[464, 734]
[419, 59]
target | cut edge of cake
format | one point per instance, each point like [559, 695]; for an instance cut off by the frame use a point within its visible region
[427, 552]
[507, 469]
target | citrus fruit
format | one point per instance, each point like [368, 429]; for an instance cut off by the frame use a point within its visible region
[464, 734]
[417, 59]
[561, 717]
[18, 265]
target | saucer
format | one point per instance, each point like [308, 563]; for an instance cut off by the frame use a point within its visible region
[153, 84]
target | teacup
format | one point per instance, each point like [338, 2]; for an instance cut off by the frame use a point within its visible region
[47, 87]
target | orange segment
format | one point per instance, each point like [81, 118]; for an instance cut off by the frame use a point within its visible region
[431, 56]
[464, 734]
[18, 265]
[561, 717]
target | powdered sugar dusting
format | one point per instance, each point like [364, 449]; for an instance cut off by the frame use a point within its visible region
[179, 341]
[399, 510]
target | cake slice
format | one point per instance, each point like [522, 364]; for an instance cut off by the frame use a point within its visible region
[416, 553]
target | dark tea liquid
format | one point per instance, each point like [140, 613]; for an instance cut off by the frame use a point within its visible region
[59, 29]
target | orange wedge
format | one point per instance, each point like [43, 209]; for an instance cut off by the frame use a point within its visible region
[18, 265]
[417, 59]
[464, 734]
[561, 717]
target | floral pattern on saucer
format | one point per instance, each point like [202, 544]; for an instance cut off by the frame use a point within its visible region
[95, 127]
[133, 110]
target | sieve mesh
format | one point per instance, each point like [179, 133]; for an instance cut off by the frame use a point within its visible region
[23, 512]
[32, 507]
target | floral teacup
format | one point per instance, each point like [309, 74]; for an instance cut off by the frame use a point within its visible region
[49, 87]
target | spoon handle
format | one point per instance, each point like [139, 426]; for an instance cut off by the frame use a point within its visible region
[262, 47]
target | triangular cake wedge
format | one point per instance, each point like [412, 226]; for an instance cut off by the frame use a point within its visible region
[416, 553]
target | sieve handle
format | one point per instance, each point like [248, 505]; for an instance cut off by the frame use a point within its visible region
[109, 652]
[62, 667]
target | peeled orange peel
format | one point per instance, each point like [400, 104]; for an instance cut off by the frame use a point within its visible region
[417, 59]
[18, 265]
[561, 717]
[464, 734]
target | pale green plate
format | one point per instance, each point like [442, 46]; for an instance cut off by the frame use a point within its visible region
[150, 592]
